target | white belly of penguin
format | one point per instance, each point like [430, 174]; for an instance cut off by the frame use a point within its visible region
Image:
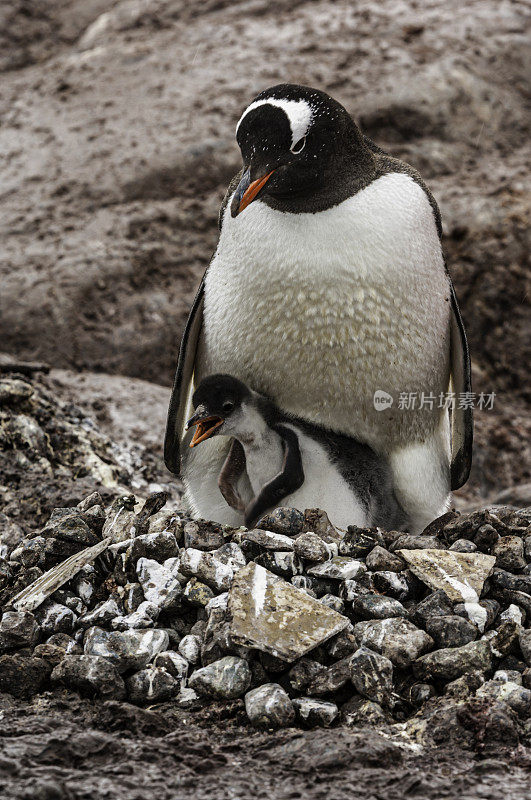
[319, 311]
[323, 487]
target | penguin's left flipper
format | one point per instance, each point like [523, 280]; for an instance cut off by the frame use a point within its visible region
[230, 472]
[177, 412]
[462, 418]
[289, 479]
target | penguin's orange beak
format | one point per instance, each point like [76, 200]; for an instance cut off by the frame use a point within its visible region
[204, 424]
[251, 190]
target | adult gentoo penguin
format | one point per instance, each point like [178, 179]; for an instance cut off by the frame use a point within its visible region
[290, 461]
[329, 284]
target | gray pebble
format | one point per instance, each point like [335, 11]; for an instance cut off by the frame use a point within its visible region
[372, 675]
[152, 685]
[315, 712]
[90, 675]
[269, 706]
[17, 629]
[227, 678]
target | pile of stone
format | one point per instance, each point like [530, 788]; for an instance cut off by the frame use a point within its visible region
[307, 624]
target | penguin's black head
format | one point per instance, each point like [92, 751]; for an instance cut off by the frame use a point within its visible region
[216, 398]
[301, 151]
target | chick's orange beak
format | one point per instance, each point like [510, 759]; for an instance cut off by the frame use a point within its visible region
[204, 428]
[252, 190]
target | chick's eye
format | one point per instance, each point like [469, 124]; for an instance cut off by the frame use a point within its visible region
[298, 147]
[228, 407]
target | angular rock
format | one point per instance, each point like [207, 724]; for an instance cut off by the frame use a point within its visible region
[315, 712]
[330, 679]
[23, 676]
[275, 617]
[126, 649]
[460, 575]
[158, 546]
[516, 696]
[316, 520]
[90, 676]
[509, 553]
[144, 617]
[397, 639]
[481, 614]
[269, 706]
[485, 538]
[55, 618]
[435, 604]
[359, 712]
[152, 685]
[463, 546]
[190, 648]
[227, 678]
[331, 601]
[376, 606]
[166, 522]
[372, 675]
[17, 629]
[452, 662]
[287, 521]
[93, 499]
[174, 663]
[197, 594]
[342, 645]
[451, 631]
[203, 535]
[339, 568]
[393, 584]
[102, 615]
[358, 542]
[120, 523]
[381, 560]
[267, 540]
[160, 587]
[303, 672]
[231, 553]
[514, 613]
[206, 568]
[286, 565]
[408, 541]
[311, 547]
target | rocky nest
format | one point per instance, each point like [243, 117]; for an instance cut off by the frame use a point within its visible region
[308, 625]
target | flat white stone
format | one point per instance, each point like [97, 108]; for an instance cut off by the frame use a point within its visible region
[271, 615]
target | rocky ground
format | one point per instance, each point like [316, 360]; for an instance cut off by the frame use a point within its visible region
[141, 651]
[116, 145]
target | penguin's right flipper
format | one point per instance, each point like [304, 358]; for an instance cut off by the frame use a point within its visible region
[177, 412]
[462, 416]
[230, 472]
[289, 479]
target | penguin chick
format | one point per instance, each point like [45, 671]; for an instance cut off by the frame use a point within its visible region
[291, 460]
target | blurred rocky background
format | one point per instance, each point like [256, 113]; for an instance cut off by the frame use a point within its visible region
[117, 141]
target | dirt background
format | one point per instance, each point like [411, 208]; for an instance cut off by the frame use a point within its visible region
[116, 143]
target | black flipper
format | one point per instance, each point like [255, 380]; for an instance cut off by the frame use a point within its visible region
[462, 418]
[182, 383]
[289, 479]
[230, 472]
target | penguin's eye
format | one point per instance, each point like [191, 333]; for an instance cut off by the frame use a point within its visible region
[298, 147]
[228, 407]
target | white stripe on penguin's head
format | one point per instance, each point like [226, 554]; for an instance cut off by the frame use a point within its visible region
[298, 112]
